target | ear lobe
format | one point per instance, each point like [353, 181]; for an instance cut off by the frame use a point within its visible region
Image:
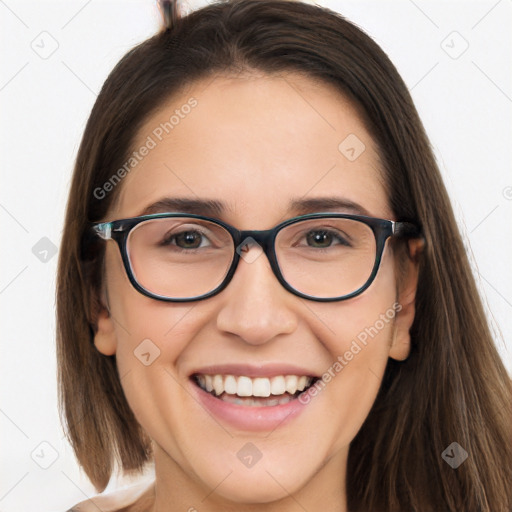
[105, 336]
[406, 297]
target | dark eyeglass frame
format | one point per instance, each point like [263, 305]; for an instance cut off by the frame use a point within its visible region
[383, 229]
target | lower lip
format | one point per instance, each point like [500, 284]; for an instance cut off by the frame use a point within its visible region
[250, 418]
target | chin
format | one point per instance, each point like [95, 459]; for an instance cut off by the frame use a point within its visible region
[253, 488]
[268, 481]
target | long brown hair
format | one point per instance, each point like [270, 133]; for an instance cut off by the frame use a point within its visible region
[452, 388]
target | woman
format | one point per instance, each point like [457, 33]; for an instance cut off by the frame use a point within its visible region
[263, 289]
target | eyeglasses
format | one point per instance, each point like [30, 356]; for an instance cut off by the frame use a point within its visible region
[324, 257]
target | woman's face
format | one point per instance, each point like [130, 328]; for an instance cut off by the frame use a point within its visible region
[256, 144]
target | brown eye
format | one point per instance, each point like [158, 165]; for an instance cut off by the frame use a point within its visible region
[188, 239]
[323, 239]
[319, 239]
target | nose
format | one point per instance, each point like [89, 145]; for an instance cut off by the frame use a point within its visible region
[255, 306]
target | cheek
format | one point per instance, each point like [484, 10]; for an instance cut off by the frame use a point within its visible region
[366, 321]
[357, 335]
[151, 339]
[141, 320]
[153, 334]
[150, 335]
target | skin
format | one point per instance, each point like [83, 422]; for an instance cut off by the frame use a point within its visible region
[255, 142]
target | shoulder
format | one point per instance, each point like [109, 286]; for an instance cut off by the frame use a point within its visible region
[136, 498]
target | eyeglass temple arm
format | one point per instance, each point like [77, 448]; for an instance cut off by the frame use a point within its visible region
[103, 230]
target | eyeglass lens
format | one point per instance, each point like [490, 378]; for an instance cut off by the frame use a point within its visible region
[181, 257]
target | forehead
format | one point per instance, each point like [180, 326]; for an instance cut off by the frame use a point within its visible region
[255, 143]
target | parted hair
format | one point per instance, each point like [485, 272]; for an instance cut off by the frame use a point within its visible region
[452, 388]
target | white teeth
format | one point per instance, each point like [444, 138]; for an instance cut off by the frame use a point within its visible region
[209, 382]
[218, 384]
[230, 385]
[261, 387]
[244, 387]
[258, 387]
[302, 382]
[291, 383]
[278, 385]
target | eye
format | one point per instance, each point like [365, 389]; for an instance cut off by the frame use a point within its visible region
[323, 239]
[187, 240]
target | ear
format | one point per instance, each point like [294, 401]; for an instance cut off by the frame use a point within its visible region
[406, 298]
[105, 337]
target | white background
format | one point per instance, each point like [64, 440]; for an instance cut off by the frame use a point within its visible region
[465, 103]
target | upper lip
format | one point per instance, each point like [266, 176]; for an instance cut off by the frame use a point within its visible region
[264, 370]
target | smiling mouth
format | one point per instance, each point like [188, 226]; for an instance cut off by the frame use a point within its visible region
[254, 392]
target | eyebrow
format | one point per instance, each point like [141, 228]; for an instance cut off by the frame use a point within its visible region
[212, 207]
[209, 207]
[329, 204]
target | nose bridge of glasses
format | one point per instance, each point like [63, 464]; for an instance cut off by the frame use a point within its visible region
[248, 238]
[261, 242]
